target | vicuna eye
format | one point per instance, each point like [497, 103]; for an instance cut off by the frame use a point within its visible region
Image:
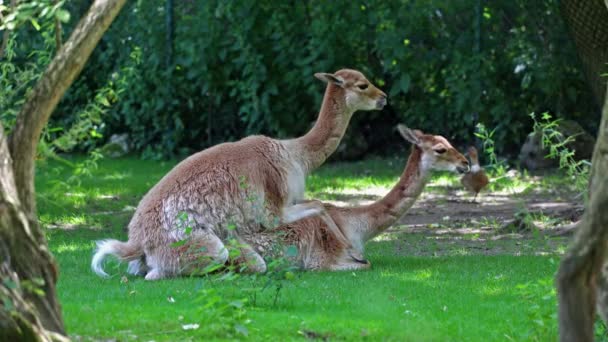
[440, 150]
[362, 86]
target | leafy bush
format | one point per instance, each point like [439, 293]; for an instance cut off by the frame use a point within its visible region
[241, 67]
[557, 145]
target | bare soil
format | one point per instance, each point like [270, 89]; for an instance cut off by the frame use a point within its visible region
[449, 223]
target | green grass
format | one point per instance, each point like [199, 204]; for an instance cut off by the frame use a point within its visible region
[403, 297]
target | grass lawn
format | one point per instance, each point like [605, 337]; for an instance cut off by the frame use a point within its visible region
[456, 292]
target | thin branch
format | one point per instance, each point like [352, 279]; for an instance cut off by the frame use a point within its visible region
[59, 75]
[58, 32]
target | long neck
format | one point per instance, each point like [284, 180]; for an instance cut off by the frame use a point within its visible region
[323, 139]
[383, 213]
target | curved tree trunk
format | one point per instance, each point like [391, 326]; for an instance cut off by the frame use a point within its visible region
[588, 23]
[580, 271]
[29, 309]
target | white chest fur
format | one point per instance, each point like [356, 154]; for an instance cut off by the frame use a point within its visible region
[296, 183]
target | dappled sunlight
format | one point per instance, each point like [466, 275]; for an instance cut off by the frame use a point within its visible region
[422, 274]
[68, 222]
[116, 176]
[108, 197]
[491, 290]
[384, 237]
[443, 180]
[75, 194]
[352, 196]
[71, 247]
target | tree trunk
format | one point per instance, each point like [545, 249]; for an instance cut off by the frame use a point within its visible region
[580, 270]
[588, 23]
[30, 309]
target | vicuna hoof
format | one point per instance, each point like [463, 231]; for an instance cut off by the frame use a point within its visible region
[155, 274]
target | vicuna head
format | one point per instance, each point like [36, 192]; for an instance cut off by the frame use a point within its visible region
[359, 93]
[437, 152]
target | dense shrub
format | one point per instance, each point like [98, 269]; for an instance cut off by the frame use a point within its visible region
[245, 67]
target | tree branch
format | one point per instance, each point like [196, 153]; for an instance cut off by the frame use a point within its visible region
[59, 75]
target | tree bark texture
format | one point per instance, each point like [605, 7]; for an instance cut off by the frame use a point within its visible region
[580, 270]
[588, 24]
[29, 308]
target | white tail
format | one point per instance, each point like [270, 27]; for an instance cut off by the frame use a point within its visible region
[122, 250]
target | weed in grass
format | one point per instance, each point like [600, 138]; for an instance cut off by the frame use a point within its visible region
[556, 142]
[542, 317]
[600, 331]
[496, 167]
[224, 315]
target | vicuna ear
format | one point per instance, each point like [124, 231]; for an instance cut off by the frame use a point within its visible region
[330, 78]
[409, 135]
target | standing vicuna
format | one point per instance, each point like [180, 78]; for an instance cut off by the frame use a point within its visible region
[318, 246]
[234, 189]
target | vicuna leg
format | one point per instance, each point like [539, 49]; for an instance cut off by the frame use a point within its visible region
[200, 250]
[312, 208]
[138, 267]
[301, 210]
[248, 258]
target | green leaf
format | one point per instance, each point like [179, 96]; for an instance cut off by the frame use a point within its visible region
[62, 15]
[241, 329]
[104, 101]
[291, 251]
[178, 243]
[404, 83]
[237, 304]
[35, 24]
[8, 304]
[9, 284]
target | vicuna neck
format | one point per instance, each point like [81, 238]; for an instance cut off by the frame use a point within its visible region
[383, 213]
[323, 139]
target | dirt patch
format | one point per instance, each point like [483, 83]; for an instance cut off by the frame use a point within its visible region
[449, 223]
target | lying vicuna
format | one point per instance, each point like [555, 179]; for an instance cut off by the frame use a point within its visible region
[317, 245]
[234, 189]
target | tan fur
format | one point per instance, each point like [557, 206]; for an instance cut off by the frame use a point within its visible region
[249, 185]
[319, 249]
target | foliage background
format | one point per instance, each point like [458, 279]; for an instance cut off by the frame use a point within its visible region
[230, 69]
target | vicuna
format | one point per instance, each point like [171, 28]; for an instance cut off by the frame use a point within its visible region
[318, 246]
[235, 189]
